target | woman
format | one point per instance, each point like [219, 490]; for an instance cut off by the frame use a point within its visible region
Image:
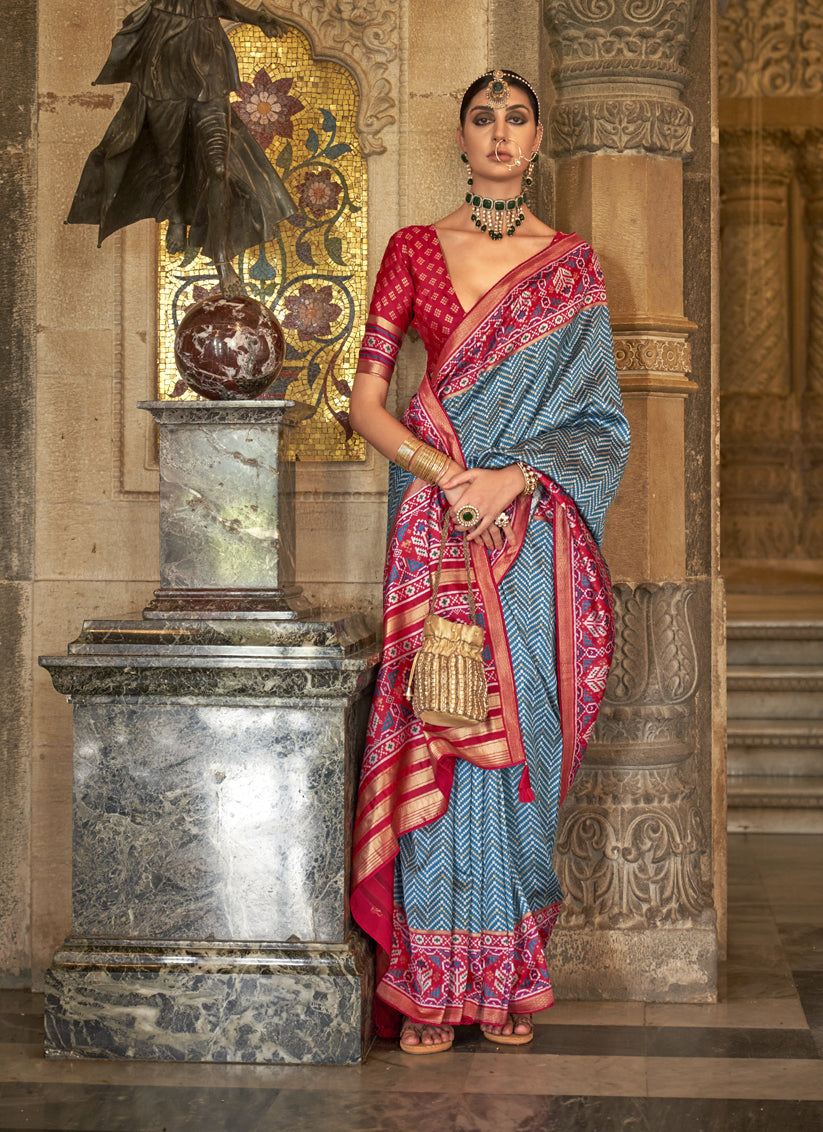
[517, 431]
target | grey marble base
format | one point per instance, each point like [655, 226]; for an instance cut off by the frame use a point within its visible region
[176, 1002]
[215, 773]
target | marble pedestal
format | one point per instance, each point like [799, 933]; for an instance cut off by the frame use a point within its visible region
[217, 743]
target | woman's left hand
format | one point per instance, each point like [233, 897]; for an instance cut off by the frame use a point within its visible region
[490, 490]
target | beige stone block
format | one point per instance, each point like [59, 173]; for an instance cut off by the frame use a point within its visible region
[98, 540]
[75, 277]
[81, 353]
[73, 42]
[447, 50]
[346, 597]
[645, 529]
[340, 541]
[630, 208]
[74, 439]
[59, 609]
[79, 120]
[764, 1078]
[436, 176]
[556, 1074]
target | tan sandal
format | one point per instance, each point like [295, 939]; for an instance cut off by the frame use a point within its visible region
[513, 1039]
[419, 1048]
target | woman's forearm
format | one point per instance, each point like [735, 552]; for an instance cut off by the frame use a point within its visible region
[383, 431]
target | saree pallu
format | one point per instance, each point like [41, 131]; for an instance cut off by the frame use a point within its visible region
[527, 375]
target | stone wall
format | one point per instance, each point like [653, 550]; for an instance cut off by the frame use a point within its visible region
[771, 364]
[18, 61]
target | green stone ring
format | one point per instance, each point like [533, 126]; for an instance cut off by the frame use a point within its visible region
[468, 515]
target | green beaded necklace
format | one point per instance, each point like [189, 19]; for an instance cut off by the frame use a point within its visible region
[498, 217]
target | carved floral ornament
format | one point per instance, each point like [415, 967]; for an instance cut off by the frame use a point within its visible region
[648, 35]
[363, 36]
[771, 48]
[598, 43]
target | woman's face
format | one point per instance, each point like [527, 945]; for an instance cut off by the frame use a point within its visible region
[493, 139]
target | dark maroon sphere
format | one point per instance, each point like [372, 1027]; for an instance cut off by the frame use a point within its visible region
[229, 349]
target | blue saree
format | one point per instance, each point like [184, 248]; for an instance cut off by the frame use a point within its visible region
[452, 870]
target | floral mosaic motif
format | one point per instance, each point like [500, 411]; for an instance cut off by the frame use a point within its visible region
[311, 312]
[319, 193]
[267, 108]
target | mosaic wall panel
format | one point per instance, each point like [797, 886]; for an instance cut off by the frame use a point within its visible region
[303, 113]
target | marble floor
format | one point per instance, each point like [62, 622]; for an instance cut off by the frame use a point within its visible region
[752, 1062]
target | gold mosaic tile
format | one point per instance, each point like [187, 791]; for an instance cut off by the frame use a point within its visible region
[313, 273]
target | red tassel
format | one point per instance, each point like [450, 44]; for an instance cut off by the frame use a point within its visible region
[526, 793]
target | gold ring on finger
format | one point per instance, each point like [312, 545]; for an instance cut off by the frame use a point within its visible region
[468, 515]
[502, 521]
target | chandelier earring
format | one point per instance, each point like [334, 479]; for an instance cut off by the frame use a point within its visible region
[529, 178]
[464, 158]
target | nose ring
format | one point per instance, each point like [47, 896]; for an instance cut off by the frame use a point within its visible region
[518, 161]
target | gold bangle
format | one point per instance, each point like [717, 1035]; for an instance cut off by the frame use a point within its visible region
[405, 453]
[429, 466]
[428, 463]
[530, 478]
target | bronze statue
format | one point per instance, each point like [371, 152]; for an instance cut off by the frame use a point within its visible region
[176, 150]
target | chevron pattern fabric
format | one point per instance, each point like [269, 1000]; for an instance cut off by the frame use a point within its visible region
[455, 828]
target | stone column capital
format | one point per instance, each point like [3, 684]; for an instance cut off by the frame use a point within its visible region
[618, 71]
[756, 168]
[746, 157]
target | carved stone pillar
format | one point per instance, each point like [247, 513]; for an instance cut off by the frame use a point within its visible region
[618, 131]
[761, 478]
[811, 527]
[634, 850]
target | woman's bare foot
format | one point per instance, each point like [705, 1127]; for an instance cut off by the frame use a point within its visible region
[517, 1030]
[420, 1037]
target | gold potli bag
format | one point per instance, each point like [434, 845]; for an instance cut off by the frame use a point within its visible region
[447, 681]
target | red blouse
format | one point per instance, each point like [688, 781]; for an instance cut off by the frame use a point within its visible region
[413, 288]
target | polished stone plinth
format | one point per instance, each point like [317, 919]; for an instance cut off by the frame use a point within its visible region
[215, 773]
[208, 1002]
[217, 747]
[226, 504]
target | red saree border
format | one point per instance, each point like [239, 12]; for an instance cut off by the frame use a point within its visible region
[489, 303]
[566, 667]
[458, 1016]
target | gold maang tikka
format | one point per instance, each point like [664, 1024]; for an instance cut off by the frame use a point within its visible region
[497, 92]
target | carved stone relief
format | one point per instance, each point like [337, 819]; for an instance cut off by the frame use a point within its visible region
[754, 179]
[632, 844]
[812, 403]
[761, 454]
[653, 363]
[770, 48]
[599, 43]
[363, 35]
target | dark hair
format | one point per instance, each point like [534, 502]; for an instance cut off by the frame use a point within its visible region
[484, 80]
